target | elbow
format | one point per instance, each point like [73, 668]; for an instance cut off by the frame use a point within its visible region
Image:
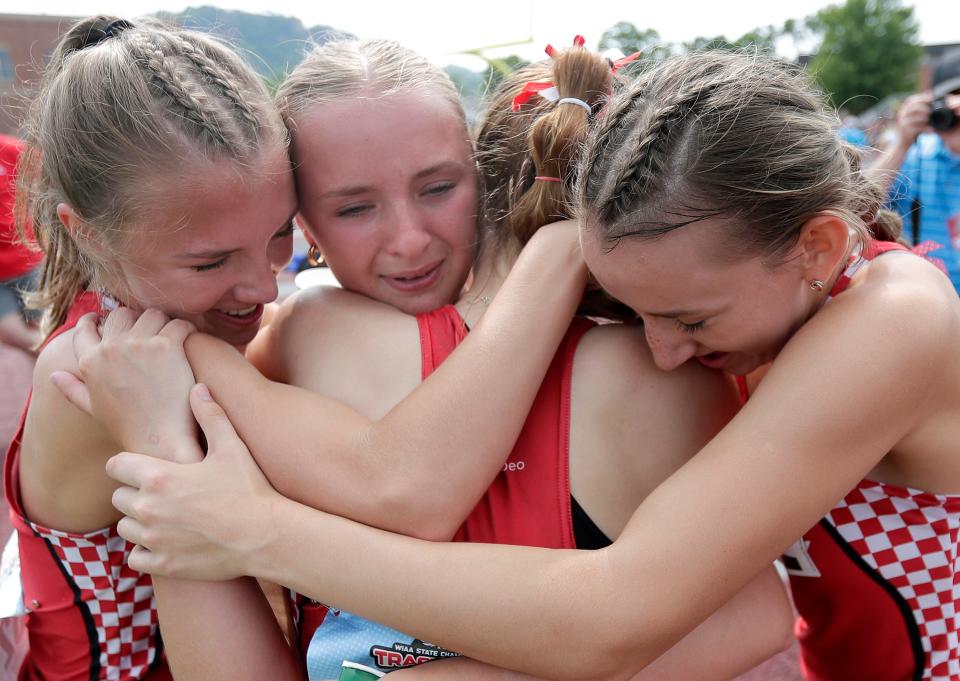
[616, 654]
[409, 508]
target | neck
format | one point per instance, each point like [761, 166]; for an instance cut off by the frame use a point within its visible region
[489, 273]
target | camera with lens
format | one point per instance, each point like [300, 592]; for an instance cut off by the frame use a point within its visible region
[942, 117]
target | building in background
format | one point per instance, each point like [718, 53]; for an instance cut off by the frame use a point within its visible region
[25, 45]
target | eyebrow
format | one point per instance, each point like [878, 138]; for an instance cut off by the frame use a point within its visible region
[361, 189]
[216, 254]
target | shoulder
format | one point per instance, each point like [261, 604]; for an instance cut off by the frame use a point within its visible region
[324, 318]
[76, 430]
[614, 361]
[333, 311]
[897, 325]
[900, 299]
[616, 379]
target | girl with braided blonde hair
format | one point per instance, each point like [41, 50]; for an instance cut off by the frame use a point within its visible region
[155, 174]
[716, 201]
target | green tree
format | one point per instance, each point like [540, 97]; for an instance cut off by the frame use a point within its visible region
[627, 38]
[869, 50]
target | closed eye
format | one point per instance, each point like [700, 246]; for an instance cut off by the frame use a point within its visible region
[690, 328]
[353, 210]
[210, 266]
[439, 188]
[286, 231]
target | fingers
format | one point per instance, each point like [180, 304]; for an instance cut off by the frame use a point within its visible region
[177, 330]
[141, 560]
[74, 389]
[213, 420]
[119, 320]
[131, 529]
[150, 323]
[134, 469]
[86, 336]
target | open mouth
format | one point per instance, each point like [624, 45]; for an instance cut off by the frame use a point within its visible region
[242, 317]
[713, 360]
[414, 280]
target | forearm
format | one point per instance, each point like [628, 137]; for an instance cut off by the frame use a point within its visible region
[557, 600]
[222, 631]
[205, 623]
[751, 627]
[325, 455]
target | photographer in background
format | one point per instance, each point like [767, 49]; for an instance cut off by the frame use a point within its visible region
[922, 164]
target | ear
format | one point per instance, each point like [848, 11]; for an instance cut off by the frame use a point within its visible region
[824, 243]
[301, 223]
[68, 216]
[83, 234]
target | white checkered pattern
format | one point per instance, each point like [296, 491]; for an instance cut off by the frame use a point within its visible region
[911, 539]
[119, 599]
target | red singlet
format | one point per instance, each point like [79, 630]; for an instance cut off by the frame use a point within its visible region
[877, 582]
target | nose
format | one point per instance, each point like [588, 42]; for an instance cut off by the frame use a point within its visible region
[670, 347]
[409, 235]
[259, 284]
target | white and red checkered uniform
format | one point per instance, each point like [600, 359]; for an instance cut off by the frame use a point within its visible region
[877, 582]
[91, 617]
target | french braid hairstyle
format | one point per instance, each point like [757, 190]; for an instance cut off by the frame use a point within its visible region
[741, 138]
[121, 104]
[541, 138]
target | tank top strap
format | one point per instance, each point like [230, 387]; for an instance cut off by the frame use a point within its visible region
[857, 260]
[441, 331]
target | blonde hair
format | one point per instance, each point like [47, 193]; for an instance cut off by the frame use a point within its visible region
[543, 139]
[360, 69]
[738, 137]
[121, 102]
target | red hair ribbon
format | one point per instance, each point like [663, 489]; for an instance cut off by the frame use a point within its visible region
[620, 63]
[578, 41]
[528, 91]
[547, 178]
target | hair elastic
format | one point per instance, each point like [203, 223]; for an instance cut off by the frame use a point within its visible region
[578, 102]
[115, 27]
[545, 178]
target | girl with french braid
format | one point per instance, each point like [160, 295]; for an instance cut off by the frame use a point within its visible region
[155, 174]
[716, 200]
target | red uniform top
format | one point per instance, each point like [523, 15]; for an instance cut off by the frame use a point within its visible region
[91, 617]
[528, 504]
[15, 259]
[877, 581]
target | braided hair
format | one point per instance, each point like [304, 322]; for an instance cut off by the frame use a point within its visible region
[121, 103]
[742, 138]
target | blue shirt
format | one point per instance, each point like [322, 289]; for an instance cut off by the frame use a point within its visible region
[932, 174]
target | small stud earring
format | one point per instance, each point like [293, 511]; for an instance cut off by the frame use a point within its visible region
[816, 285]
[314, 256]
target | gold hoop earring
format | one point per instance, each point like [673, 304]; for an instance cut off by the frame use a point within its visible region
[314, 256]
[816, 285]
